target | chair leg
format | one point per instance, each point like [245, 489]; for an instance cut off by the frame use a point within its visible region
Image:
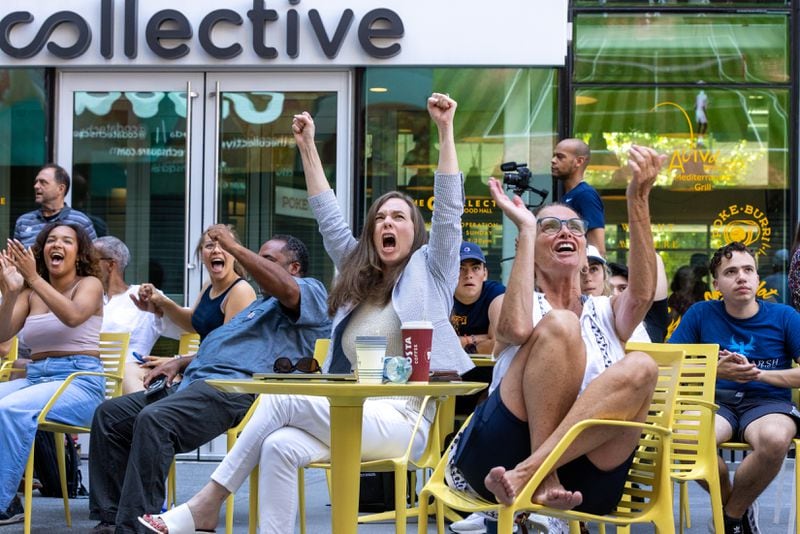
[412, 489]
[28, 494]
[422, 519]
[685, 510]
[229, 514]
[62, 473]
[301, 498]
[253, 524]
[172, 486]
[400, 488]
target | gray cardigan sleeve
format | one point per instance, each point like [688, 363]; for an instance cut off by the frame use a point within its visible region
[337, 236]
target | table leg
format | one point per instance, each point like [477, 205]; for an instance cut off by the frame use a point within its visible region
[345, 463]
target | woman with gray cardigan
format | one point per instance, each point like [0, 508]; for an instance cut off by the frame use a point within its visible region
[386, 277]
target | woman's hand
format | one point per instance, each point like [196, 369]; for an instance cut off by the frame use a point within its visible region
[303, 129]
[441, 108]
[23, 259]
[514, 208]
[11, 282]
[646, 164]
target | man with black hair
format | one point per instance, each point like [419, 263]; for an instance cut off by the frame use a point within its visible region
[134, 438]
[758, 341]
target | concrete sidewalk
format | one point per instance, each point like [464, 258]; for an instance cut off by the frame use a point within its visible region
[48, 517]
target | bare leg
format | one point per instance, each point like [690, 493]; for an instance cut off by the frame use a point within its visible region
[541, 385]
[623, 391]
[770, 437]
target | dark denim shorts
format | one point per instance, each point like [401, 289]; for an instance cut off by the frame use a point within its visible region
[739, 409]
[496, 437]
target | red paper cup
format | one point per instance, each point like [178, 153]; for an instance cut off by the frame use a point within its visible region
[417, 339]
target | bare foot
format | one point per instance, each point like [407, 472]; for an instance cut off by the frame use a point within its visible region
[504, 484]
[552, 494]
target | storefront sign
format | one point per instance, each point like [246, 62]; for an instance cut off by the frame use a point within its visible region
[285, 32]
[744, 223]
[292, 202]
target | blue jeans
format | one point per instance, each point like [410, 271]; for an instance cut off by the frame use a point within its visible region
[22, 400]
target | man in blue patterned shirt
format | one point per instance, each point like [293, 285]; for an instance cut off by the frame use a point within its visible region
[50, 188]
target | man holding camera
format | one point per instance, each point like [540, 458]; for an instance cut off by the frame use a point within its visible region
[570, 159]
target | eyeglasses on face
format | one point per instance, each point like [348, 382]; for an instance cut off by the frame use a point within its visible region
[552, 225]
[303, 365]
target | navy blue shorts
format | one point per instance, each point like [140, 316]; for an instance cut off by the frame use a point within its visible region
[496, 437]
[739, 409]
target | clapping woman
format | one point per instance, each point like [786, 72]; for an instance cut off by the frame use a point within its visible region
[50, 294]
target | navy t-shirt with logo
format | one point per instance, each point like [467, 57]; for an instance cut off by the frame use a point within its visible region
[473, 319]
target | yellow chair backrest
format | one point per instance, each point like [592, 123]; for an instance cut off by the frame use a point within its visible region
[321, 350]
[189, 343]
[694, 417]
[113, 349]
[13, 350]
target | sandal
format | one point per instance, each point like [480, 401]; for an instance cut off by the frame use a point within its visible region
[179, 520]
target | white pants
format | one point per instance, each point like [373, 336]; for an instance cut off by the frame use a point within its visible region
[290, 431]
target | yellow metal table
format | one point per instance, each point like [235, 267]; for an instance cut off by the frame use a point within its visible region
[347, 400]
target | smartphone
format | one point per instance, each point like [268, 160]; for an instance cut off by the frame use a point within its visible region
[139, 357]
[156, 388]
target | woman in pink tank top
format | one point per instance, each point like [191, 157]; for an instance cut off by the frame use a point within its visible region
[52, 297]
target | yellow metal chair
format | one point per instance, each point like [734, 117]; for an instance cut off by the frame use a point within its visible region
[694, 444]
[189, 343]
[399, 466]
[647, 496]
[7, 366]
[113, 348]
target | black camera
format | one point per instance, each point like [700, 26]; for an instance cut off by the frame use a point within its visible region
[517, 177]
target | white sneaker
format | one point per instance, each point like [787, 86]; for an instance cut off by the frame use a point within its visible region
[472, 524]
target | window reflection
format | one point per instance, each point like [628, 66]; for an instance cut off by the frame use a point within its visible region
[23, 147]
[503, 115]
[681, 47]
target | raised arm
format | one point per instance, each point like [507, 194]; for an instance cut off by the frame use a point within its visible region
[337, 235]
[72, 310]
[304, 130]
[14, 303]
[448, 190]
[631, 305]
[271, 277]
[515, 324]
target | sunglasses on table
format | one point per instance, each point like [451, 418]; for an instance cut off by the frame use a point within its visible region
[303, 365]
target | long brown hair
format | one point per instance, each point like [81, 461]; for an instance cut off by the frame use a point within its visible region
[362, 277]
[86, 264]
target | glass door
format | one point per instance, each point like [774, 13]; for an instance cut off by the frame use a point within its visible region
[257, 177]
[133, 145]
[155, 167]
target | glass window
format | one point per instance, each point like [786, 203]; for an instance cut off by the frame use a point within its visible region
[726, 176]
[260, 166]
[503, 115]
[681, 47]
[23, 142]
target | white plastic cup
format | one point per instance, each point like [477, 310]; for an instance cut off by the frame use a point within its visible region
[370, 352]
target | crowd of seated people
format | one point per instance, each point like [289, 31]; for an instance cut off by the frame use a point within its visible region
[563, 320]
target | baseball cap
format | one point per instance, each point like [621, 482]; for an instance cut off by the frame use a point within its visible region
[594, 255]
[471, 251]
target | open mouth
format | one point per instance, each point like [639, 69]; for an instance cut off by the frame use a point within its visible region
[565, 246]
[389, 242]
[217, 265]
[56, 258]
